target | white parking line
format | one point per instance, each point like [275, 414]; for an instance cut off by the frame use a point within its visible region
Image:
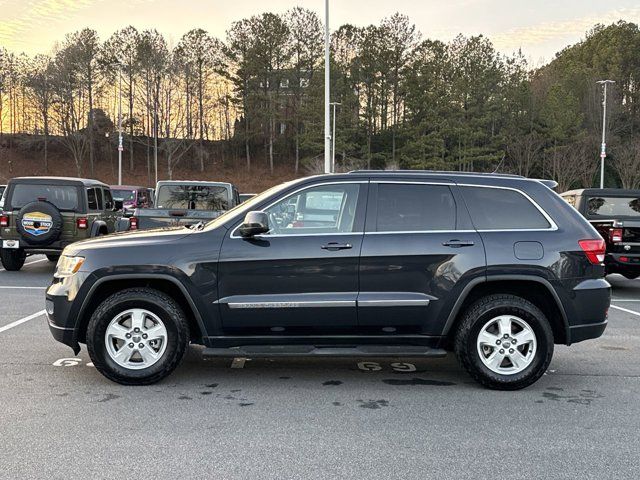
[22, 288]
[21, 321]
[30, 263]
[632, 312]
[625, 300]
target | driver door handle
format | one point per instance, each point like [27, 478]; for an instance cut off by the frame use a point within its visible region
[458, 243]
[334, 246]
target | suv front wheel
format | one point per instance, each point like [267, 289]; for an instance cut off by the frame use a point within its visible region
[505, 342]
[137, 336]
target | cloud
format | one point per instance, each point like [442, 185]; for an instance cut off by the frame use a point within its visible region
[17, 30]
[547, 32]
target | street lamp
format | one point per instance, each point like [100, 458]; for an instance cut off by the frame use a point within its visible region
[333, 138]
[603, 151]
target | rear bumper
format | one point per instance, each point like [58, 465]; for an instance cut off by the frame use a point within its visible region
[591, 301]
[614, 264]
[585, 332]
[54, 247]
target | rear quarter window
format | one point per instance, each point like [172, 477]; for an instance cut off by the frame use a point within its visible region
[501, 209]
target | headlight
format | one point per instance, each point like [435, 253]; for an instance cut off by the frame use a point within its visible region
[67, 266]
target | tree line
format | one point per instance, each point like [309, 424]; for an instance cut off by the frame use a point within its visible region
[256, 98]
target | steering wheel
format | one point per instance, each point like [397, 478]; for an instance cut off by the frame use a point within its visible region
[273, 223]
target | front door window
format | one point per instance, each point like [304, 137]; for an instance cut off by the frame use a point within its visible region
[325, 209]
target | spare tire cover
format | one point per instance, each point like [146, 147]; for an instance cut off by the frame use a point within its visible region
[39, 223]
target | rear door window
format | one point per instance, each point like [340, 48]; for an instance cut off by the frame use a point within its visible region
[415, 208]
[108, 200]
[64, 197]
[502, 209]
[92, 199]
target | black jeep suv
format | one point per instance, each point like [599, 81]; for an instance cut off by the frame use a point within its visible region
[497, 268]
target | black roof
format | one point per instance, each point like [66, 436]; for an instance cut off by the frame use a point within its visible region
[608, 192]
[87, 182]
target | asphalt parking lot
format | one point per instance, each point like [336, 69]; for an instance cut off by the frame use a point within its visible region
[292, 418]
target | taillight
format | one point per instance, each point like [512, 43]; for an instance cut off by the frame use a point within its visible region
[615, 235]
[4, 221]
[624, 259]
[594, 249]
[82, 223]
[133, 223]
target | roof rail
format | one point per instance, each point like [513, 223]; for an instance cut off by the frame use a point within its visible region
[439, 172]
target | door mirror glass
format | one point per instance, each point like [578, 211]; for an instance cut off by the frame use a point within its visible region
[255, 223]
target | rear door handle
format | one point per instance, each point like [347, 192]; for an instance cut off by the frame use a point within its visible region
[458, 243]
[333, 246]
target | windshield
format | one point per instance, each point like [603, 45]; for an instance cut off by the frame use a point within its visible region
[614, 206]
[64, 197]
[193, 197]
[124, 195]
[247, 206]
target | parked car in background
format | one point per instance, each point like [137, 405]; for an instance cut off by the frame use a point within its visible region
[128, 198]
[2, 188]
[494, 267]
[42, 215]
[246, 196]
[183, 203]
[615, 213]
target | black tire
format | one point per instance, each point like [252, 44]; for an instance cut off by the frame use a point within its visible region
[39, 223]
[53, 258]
[160, 304]
[12, 260]
[631, 276]
[474, 319]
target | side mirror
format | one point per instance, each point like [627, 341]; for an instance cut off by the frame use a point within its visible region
[255, 223]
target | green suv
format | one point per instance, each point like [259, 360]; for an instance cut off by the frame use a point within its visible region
[42, 215]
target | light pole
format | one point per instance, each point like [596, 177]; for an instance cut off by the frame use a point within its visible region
[333, 138]
[120, 147]
[327, 93]
[118, 65]
[603, 151]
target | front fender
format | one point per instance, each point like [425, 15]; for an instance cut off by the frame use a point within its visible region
[101, 278]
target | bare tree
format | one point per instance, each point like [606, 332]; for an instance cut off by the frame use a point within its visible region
[200, 54]
[122, 48]
[626, 161]
[39, 83]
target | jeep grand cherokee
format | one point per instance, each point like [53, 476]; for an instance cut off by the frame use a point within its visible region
[369, 264]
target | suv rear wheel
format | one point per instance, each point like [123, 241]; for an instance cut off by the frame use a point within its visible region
[12, 260]
[137, 336]
[505, 342]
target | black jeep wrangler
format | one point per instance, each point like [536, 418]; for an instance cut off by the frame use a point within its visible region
[42, 215]
[370, 264]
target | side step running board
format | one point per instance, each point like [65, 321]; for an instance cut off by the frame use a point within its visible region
[264, 351]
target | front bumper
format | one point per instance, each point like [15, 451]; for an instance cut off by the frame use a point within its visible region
[62, 309]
